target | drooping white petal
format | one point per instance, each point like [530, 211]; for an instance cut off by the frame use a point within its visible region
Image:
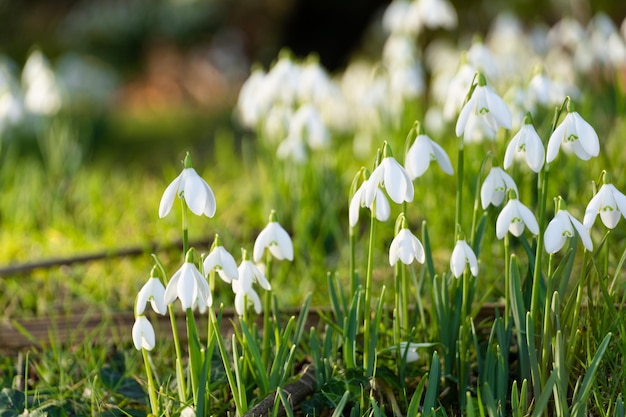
[171, 291]
[396, 181]
[494, 188]
[418, 157]
[514, 217]
[382, 207]
[355, 205]
[557, 232]
[197, 193]
[462, 256]
[406, 247]
[583, 233]
[498, 109]
[275, 238]
[187, 288]
[461, 122]
[170, 193]
[223, 262]
[528, 218]
[143, 334]
[587, 136]
[442, 158]
[152, 291]
[554, 143]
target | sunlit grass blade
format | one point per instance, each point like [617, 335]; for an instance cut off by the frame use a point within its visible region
[286, 404]
[254, 359]
[579, 404]
[341, 405]
[541, 402]
[433, 385]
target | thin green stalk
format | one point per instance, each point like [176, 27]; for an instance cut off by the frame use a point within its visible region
[195, 365]
[404, 288]
[459, 188]
[546, 345]
[543, 191]
[353, 274]
[267, 306]
[507, 276]
[179, 356]
[185, 227]
[154, 404]
[368, 290]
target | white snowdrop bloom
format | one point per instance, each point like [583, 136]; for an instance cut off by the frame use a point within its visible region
[399, 50]
[433, 14]
[457, 89]
[525, 145]
[562, 227]
[421, 152]
[41, 92]
[495, 187]
[391, 176]
[480, 57]
[462, 257]
[193, 189]
[245, 293]
[190, 287]
[410, 349]
[292, 148]
[542, 90]
[143, 334]
[250, 108]
[276, 123]
[513, 218]
[153, 292]
[314, 84]
[221, 261]
[249, 273]
[398, 19]
[610, 203]
[307, 125]
[575, 135]
[407, 248]
[282, 81]
[380, 204]
[406, 82]
[274, 238]
[484, 110]
[567, 32]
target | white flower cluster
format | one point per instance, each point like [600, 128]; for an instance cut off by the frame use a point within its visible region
[189, 283]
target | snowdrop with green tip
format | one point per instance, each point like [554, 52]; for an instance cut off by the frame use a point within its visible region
[462, 257]
[422, 152]
[391, 176]
[560, 228]
[242, 286]
[575, 135]
[276, 239]
[485, 112]
[610, 203]
[153, 292]
[380, 204]
[513, 218]
[189, 286]
[193, 189]
[221, 261]
[526, 145]
[495, 186]
[406, 247]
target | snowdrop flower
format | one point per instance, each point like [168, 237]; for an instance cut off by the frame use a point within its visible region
[152, 291]
[242, 286]
[463, 256]
[513, 218]
[222, 261]
[188, 285]
[274, 238]
[527, 145]
[562, 227]
[293, 148]
[393, 177]
[484, 110]
[380, 204]
[250, 108]
[434, 13]
[250, 273]
[42, 95]
[410, 349]
[191, 187]
[406, 247]
[422, 151]
[610, 203]
[243, 294]
[496, 185]
[306, 125]
[143, 333]
[576, 135]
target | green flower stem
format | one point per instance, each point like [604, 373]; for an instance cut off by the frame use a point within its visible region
[179, 356]
[353, 274]
[154, 404]
[459, 188]
[546, 346]
[543, 191]
[404, 294]
[195, 363]
[185, 226]
[367, 354]
[507, 279]
[267, 307]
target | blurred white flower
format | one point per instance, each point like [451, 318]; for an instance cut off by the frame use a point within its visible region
[220, 260]
[250, 106]
[41, 92]
[421, 152]
[152, 291]
[560, 228]
[514, 217]
[495, 187]
[406, 247]
[276, 239]
[390, 175]
[434, 13]
[193, 189]
[306, 125]
[249, 273]
[380, 203]
[610, 203]
[484, 110]
[143, 334]
[292, 148]
[575, 135]
[526, 145]
[462, 257]
[190, 287]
